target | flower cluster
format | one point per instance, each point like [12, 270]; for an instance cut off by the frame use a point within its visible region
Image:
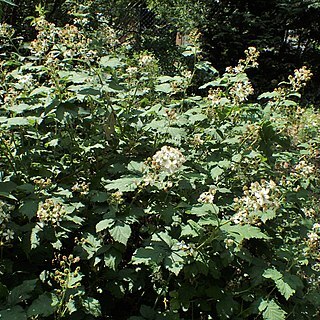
[214, 96]
[25, 80]
[132, 71]
[53, 41]
[197, 140]
[168, 159]
[47, 33]
[51, 212]
[309, 212]
[116, 198]
[6, 234]
[300, 78]
[252, 55]
[303, 170]
[81, 187]
[208, 196]
[68, 279]
[42, 183]
[6, 31]
[146, 60]
[240, 91]
[257, 199]
[313, 240]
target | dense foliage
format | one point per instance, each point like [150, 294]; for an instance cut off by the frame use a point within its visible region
[124, 196]
[285, 31]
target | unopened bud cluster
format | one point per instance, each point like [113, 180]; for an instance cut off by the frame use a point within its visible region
[252, 55]
[197, 141]
[81, 187]
[51, 212]
[116, 198]
[259, 198]
[42, 183]
[66, 276]
[168, 159]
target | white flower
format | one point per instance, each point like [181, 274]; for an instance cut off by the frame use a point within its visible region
[241, 90]
[50, 212]
[132, 71]
[313, 237]
[316, 226]
[4, 217]
[25, 80]
[262, 196]
[207, 197]
[168, 159]
[8, 235]
[146, 59]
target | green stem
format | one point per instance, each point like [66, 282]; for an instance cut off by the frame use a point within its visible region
[9, 156]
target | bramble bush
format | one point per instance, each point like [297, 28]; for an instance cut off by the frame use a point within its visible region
[125, 196]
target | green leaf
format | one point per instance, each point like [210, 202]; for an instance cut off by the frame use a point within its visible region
[41, 306]
[284, 288]
[104, 224]
[226, 307]
[121, 232]
[42, 91]
[8, 2]
[241, 232]
[15, 313]
[34, 237]
[20, 108]
[107, 61]
[174, 263]
[112, 258]
[201, 210]
[71, 306]
[125, 184]
[135, 166]
[272, 274]
[91, 306]
[29, 208]
[17, 121]
[73, 280]
[163, 87]
[216, 172]
[271, 310]
[268, 215]
[3, 292]
[91, 245]
[73, 76]
[21, 292]
[147, 312]
[98, 196]
[148, 255]
[188, 231]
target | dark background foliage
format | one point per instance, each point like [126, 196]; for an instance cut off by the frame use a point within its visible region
[287, 32]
